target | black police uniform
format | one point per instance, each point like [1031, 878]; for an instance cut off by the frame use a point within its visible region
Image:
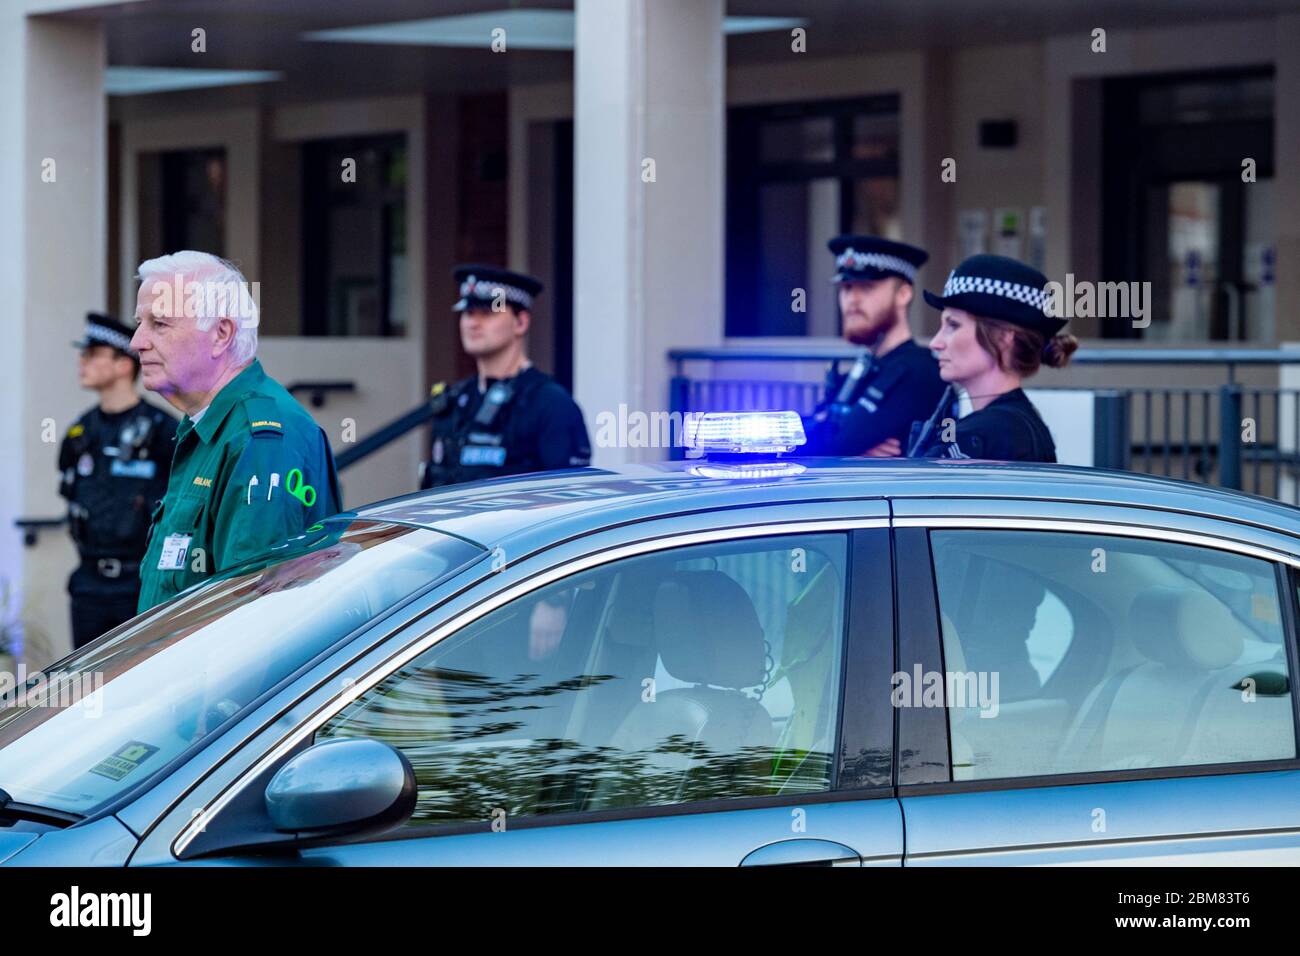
[516, 425]
[512, 426]
[114, 468]
[879, 397]
[1009, 428]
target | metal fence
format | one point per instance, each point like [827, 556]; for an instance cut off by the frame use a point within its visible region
[1233, 435]
[1237, 437]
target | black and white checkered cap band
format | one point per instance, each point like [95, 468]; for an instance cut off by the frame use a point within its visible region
[857, 261]
[1027, 294]
[97, 333]
[486, 290]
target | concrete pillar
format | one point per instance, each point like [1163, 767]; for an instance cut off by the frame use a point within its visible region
[934, 207]
[1286, 150]
[1286, 147]
[52, 270]
[648, 257]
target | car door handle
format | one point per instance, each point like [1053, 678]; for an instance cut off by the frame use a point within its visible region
[803, 853]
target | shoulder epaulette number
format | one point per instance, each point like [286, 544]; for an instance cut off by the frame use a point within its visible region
[263, 417]
[439, 398]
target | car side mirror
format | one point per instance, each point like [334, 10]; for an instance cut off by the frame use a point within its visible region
[1265, 684]
[342, 786]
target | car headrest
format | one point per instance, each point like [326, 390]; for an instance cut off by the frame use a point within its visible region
[1185, 627]
[810, 619]
[707, 630]
[631, 617]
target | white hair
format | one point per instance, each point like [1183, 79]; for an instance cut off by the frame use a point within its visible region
[215, 289]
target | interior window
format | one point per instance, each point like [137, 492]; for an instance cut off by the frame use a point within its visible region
[1093, 653]
[1050, 636]
[703, 673]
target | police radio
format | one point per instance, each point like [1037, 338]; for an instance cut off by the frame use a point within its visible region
[850, 384]
[497, 397]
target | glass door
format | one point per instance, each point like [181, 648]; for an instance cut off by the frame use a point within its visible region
[799, 174]
[1181, 212]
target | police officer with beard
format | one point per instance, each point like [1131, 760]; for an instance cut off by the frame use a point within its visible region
[894, 382]
[510, 418]
[115, 461]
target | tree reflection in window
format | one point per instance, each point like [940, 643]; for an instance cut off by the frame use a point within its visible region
[709, 674]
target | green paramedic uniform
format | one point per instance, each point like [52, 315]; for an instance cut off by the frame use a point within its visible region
[254, 470]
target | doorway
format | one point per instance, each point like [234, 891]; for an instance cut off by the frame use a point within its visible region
[1187, 204]
[798, 174]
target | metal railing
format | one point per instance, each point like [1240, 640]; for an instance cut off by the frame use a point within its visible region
[1233, 435]
[317, 392]
[385, 435]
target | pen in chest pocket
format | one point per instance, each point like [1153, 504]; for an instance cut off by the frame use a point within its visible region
[275, 483]
[251, 483]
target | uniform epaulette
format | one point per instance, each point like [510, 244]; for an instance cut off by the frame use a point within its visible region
[438, 398]
[263, 417]
[78, 427]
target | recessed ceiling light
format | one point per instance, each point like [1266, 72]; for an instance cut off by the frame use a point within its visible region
[136, 80]
[761, 24]
[524, 30]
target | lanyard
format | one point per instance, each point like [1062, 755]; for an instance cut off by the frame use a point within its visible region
[924, 434]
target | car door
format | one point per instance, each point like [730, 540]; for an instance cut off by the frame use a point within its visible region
[679, 702]
[1113, 693]
[679, 706]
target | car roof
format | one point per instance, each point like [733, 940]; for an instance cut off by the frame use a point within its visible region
[589, 499]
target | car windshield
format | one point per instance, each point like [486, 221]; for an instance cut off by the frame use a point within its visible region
[116, 712]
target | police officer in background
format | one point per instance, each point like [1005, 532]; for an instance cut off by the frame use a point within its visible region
[115, 461]
[997, 328]
[894, 382]
[509, 418]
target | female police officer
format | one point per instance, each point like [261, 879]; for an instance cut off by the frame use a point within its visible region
[996, 329]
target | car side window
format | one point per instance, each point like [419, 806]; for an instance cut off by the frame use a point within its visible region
[708, 672]
[1165, 654]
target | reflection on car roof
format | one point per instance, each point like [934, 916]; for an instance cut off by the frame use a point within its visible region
[491, 510]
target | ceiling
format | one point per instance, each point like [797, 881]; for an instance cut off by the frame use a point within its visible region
[267, 35]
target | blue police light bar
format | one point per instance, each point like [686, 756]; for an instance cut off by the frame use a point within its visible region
[745, 432]
[774, 469]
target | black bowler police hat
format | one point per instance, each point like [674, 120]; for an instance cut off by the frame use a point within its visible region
[485, 285]
[996, 287]
[105, 330]
[861, 258]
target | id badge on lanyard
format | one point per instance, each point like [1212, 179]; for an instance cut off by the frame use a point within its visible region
[174, 550]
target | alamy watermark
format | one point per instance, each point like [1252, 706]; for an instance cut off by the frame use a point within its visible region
[1102, 300]
[922, 688]
[207, 300]
[57, 689]
[637, 429]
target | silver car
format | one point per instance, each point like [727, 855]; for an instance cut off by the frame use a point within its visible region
[829, 662]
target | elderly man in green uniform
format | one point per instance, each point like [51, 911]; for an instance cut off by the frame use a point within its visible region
[250, 468]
